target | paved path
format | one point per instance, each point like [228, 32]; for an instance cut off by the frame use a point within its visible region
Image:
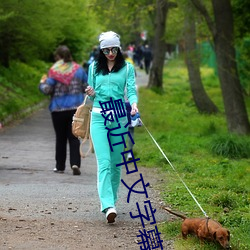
[31, 191]
[141, 78]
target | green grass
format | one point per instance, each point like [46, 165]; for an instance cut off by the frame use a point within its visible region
[19, 88]
[214, 164]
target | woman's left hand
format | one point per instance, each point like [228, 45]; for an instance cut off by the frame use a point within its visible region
[134, 109]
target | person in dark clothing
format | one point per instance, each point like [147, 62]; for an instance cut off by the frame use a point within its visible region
[147, 54]
[65, 83]
[93, 55]
[138, 56]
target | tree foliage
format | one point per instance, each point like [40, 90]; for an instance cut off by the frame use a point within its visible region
[241, 18]
[175, 25]
[28, 33]
[126, 17]
[242, 35]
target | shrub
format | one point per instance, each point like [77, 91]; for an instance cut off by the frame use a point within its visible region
[231, 146]
[224, 200]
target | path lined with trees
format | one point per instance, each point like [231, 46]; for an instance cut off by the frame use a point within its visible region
[28, 37]
[223, 23]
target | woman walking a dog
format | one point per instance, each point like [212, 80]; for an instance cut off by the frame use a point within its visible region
[108, 77]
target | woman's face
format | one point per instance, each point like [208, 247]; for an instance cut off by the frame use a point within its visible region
[110, 53]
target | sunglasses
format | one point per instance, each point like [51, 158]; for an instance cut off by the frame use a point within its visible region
[106, 51]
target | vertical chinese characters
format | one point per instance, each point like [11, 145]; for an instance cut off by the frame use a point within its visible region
[111, 111]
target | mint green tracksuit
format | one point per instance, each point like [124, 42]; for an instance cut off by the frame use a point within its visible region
[107, 86]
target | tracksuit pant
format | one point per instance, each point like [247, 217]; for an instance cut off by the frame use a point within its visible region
[108, 175]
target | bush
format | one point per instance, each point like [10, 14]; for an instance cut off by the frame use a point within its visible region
[231, 146]
[224, 200]
[19, 88]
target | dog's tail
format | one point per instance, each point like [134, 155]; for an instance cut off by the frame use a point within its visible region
[175, 213]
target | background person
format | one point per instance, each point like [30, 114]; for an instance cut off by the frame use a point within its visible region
[92, 57]
[147, 54]
[65, 84]
[109, 80]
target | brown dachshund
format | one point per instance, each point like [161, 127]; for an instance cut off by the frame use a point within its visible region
[204, 229]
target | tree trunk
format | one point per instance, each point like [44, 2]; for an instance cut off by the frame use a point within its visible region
[201, 99]
[223, 38]
[235, 109]
[159, 46]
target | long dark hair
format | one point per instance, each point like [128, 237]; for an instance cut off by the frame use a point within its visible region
[101, 63]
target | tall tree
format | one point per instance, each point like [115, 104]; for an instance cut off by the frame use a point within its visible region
[201, 99]
[159, 44]
[223, 38]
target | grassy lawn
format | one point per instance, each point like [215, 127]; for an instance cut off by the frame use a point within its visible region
[214, 164]
[19, 88]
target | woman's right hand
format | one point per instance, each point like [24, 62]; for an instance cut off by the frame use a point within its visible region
[134, 109]
[90, 91]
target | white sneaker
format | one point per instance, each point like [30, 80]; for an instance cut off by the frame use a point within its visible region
[58, 171]
[129, 157]
[111, 214]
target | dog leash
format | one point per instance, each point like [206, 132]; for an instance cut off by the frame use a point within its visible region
[174, 170]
